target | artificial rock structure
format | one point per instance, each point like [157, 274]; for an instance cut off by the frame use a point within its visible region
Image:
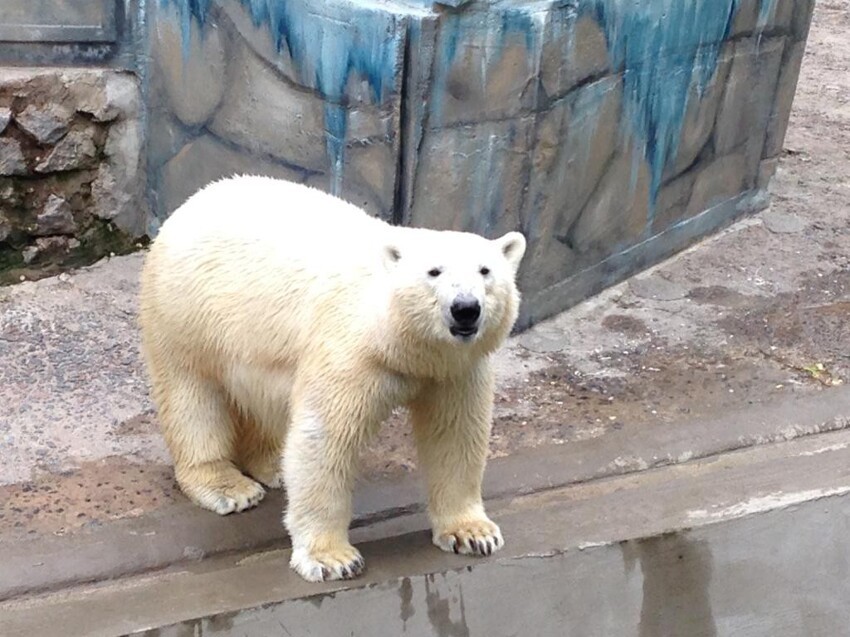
[612, 133]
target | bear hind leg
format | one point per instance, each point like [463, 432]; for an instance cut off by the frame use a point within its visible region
[259, 448]
[201, 436]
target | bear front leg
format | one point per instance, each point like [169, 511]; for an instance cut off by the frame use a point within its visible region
[319, 465]
[451, 425]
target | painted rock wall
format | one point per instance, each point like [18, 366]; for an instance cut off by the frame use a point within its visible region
[612, 133]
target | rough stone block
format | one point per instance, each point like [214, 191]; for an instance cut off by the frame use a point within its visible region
[721, 180]
[5, 227]
[802, 19]
[191, 69]
[263, 114]
[547, 262]
[767, 169]
[784, 97]
[327, 47]
[75, 150]
[55, 217]
[48, 247]
[482, 71]
[367, 178]
[671, 205]
[588, 125]
[574, 142]
[572, 51]
[29, 254]
[744, 113]
[762, 16]
[367, 123]
[165, 139]
[745, 18]
[118, 189]
[46, 124]
[76, 153]
[9, 194]
[205, 160]
[781, 16]
[473, 177]
[618, 210]
[371, 171]
[5, 118]
[103, 96]
[701, 114]
[237, 19]
[12, 161]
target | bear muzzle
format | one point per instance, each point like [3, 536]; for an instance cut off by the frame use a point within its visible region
[466, 313]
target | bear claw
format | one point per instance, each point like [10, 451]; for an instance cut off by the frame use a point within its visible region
[475, 539]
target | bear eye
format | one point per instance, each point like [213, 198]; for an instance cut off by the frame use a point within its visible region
[434, 272]
[484, 271]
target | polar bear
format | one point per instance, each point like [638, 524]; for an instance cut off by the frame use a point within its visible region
[281, 326]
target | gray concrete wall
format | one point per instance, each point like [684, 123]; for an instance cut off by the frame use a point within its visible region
[612, 133]
[72, 32]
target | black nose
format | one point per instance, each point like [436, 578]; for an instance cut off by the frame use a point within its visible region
[466, 310]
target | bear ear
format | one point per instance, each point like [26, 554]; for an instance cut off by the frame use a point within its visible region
[512, 246]
[391, 256]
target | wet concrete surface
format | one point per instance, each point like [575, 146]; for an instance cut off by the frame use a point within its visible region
[743, 321]
[748, 544]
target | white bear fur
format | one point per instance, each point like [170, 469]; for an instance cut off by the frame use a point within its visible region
[281, 326]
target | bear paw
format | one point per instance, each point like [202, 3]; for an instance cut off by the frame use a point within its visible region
[473, 537]
[230, 492]
[268, 473]
[344, 562]
[239, 499]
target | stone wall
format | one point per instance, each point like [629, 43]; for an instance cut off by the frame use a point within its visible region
[71, 178]
[612, 133]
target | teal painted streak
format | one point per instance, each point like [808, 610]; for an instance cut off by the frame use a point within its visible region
[329, 41]
[767, 10]
[663, 47]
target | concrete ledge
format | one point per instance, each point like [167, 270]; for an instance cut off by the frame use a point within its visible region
[748, 543]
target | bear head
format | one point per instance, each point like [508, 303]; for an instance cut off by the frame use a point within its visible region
[454, 288]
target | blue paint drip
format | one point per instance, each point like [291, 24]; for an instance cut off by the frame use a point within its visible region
[495, 26]
[328, 42]
[187, 10]
[664, 47]
[767, 10]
